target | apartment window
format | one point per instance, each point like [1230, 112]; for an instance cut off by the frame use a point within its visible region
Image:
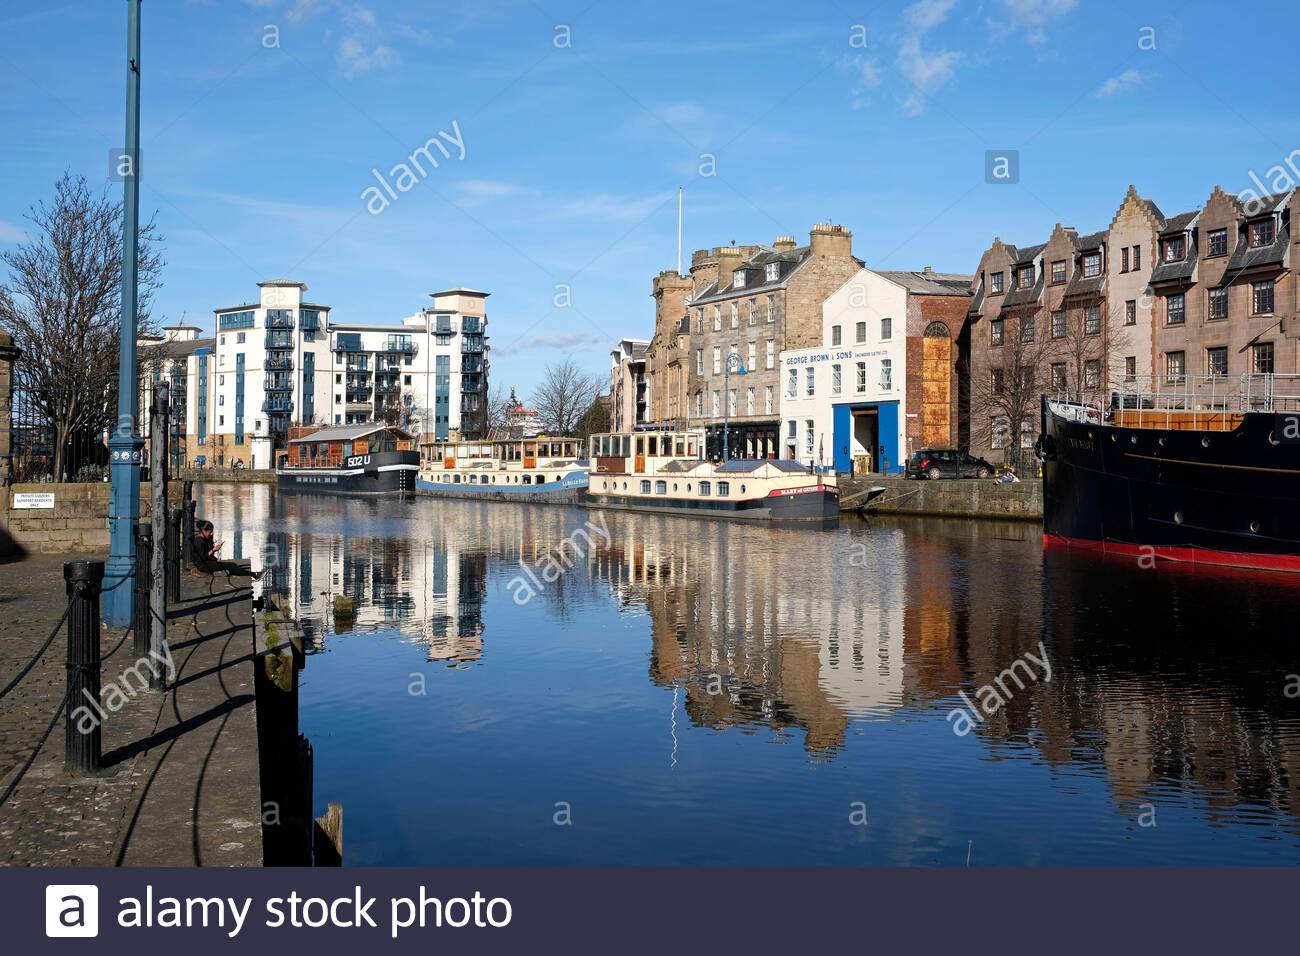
[1216, 360]
[1025, 277]
[1218, 303]
[221, 399]
[699, 320]
[1058, 271]
[792, 429]
[792, 383]
[1261, 233]
[1131, 312]
[1091, 265]
[995, 332]
[886, 374]
[1058, 324]
[1218, 242]
[860, 332]
[239, 338]
[808, 436]
[223, 340]
[221, 420]
[997, 381]
[406, 380]
[769, 399]
[753, 356]
[1130, 367]
[1137, 257]
[996, 282]
[749, 401]
[699, 361]
[1175, 309]
[862, 377]
[886, 329]
[735, 316]
[771, 308]
[1175, 366]
[1028, 328]
[717, 360]
[1123, 259]
[1058, 376]
[1262, 297]
[699, 404]
[716, 405]
[1092, 320]
[738, 278]
[1092, 373]
[836, 378]
[1000, 432]
[772, 272]
[1175, 249]
[338, 378]
[835, 335]
[1261, 358]
[771, 353]
[717, 318]
[753, 308]
[809, 380]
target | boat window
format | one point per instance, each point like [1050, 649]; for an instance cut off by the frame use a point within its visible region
[528, 479]
[625, 486]
[482, 479]
[674, 486]
[456, 479]
[688, 486]
[742, 489]
[645, 487]
[473, 479]
[724, 489]
[704, 488]
[661, 487]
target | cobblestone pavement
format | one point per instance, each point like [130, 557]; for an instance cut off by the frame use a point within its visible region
[57, 819]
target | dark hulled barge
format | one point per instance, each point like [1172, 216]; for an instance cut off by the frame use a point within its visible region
[367, 459]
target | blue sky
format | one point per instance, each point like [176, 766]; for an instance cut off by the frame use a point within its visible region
[263, 121]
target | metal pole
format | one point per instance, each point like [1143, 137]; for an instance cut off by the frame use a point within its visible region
[174, 556]
[125, 444]
[143, 588]
[187, 532]
[81, 731]
[158, 571]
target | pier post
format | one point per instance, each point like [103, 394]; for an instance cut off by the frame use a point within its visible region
[187, 531]
[84, 581]
[143, 588]
[174, 555]
[158, 565]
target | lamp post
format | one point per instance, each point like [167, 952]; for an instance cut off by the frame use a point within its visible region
[733, 359]
[124, 447]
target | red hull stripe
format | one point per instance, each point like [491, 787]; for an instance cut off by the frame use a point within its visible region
[1207, 556]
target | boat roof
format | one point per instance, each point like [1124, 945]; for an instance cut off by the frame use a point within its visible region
[350, 432]
[746, 465]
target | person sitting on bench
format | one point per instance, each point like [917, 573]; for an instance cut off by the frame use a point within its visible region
[203, 554]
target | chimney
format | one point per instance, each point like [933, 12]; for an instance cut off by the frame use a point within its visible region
[783, 243]
[928, 270]
[828, 240]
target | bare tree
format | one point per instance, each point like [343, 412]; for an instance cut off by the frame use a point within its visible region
[499, 406]
[1009, 396]
[565, 394]
[62, 303]
[1090, 349]
[595, 419]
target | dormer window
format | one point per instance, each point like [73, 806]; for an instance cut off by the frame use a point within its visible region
[773, 271]
[1218, 241]
[1174, 249]
[1025, 277]
[995, 282]
[738, 278]
[1091, 264]
[1058, 272]
[1261, 233]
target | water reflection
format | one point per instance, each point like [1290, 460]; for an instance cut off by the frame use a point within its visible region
[847, 647]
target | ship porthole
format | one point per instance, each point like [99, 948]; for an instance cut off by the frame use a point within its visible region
[1272, 439]
[1254, 527]
[742, 489]
[688, 486]
[1161, 441]
[1133, 439]
[1205, 441]
[1114, 438]
[1178, 517]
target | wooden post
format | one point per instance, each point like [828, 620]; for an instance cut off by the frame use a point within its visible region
[143, 588]
[82, 745]
[158, 575]
[327, 838]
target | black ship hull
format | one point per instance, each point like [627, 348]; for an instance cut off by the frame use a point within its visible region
[390, 472]
[1224, 498]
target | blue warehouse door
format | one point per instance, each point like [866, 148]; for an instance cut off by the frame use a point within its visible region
[842, 436]
[886, 458]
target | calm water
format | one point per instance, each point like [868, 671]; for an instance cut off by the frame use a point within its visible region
[694, 692]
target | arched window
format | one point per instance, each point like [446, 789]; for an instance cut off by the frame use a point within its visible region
[937, 330]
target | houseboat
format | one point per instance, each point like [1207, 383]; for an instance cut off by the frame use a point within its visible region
[1203, 471]
[367, 459]
[540, 469]
[666, 472]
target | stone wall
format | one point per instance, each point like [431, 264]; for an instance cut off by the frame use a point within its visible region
[957, 498]
[77, 524]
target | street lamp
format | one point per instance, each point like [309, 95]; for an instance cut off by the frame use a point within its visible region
[733, 360]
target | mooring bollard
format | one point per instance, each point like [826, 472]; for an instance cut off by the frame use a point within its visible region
[143, 576]
[81, 740]
[187, 532]
[174, 556]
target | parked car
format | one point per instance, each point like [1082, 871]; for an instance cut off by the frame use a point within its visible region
[936, 463]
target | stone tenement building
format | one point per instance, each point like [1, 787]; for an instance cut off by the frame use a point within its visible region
[1144, 304]
[668, 356]
[754, 302]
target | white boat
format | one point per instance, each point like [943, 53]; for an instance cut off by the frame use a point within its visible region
[542, 469]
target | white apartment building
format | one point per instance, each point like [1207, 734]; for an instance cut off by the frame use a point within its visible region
[282, 363]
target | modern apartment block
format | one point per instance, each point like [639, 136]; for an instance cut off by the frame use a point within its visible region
[628, 385]
[280, 362]
[1147, 303]
[884, 380]
[182, 357]
[747, 305]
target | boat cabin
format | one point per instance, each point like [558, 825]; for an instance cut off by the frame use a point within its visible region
[622, 454]
[539, 452]
[332, 447]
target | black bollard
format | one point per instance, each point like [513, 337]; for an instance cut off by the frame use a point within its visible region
[82, 741]
[187, 532]
[174, 556]
[143, 578]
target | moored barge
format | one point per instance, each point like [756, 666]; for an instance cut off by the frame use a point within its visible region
[366, 459]
[1202, 471]
[540, 469]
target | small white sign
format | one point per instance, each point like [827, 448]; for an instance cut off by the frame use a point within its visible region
[41, 499]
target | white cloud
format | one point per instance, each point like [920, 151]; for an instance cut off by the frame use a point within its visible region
[928, 14]
[864, 72]
[11, 233]
[356, 57]
[926, 70]
[1119, 84]
[474, 192]
[1035, 16]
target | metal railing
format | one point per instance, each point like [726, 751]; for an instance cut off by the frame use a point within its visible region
[1161, 400]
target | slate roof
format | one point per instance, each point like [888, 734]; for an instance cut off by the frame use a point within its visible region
[746, 465]
[1176, 271]
[1092, 240]
[931, 283]
[1179, 223]
[1079, 286]
[349, 432]
[1246, 258]
[1028, 254]
[725, 288]
[179, 349]
[1025, 296]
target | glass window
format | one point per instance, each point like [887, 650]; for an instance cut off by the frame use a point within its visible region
[996, 282]
[1028, 328]
[792, 383]
[809, 380]
[1262, 297]
[717, 359]
[835, 335]
[1123, 259]
[1216, 360]
[1175, 249]
[1131, 312]
[1175, 366]
[1091, 264]
[1000, 432]
[1058, 324]
[886, 329]
[1176, 305]
[705, 489]
[1092, 320]
[808, 436]
[886, 374]
[724, 489]
[645, 486]
[862, 377]
[1092, 373]
[1025, 277]
[1261, 233]
[661, 487]
[1058, 377]
[771, 353]
[1058, 271]
[1262, 358]
[995, 332]
[861, 332]
[717, 318]
[836, 376]
[1218, 242]
[1218, 303]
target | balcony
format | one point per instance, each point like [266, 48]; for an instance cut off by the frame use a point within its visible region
[274, 321]
[278, 363]
[310, 322]
[387, 388]
[400, 346]
[279, 341]
[277, 406]
[358, 396]
[347, 345]
[471, 345]
[279, 385]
